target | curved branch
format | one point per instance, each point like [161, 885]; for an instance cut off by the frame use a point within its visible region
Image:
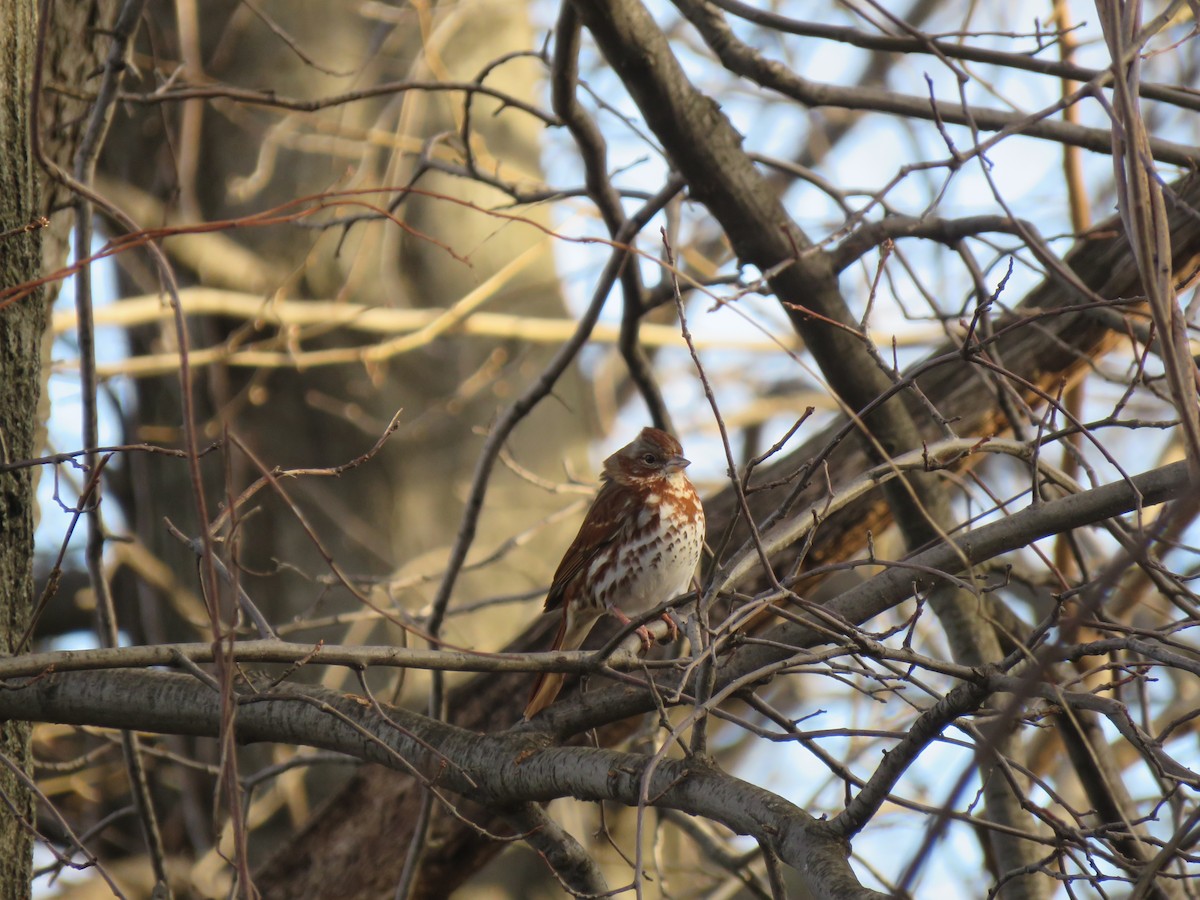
[945, 231]
[498, 769]
[568, 859]
[217, 91]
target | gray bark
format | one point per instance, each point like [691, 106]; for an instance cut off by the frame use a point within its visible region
[21, 325]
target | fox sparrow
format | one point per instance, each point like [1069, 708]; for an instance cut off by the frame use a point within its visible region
[638, 547]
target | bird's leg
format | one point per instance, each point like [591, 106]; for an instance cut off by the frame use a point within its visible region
[666, 617]
[641, 631]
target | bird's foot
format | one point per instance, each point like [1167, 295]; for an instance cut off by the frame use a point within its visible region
[674, 629]
[647, 638]
[641, 631]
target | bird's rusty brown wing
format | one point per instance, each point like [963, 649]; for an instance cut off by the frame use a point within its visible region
[609, 515]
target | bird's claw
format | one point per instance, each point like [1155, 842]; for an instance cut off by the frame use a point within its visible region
[674, 629]
[647, 639]
[643, 633]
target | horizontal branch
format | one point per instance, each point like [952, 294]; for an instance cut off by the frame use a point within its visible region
[218, 91]
[945, 231]
[287, 652]
[496, 769]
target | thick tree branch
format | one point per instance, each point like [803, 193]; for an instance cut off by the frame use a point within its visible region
[498, 769]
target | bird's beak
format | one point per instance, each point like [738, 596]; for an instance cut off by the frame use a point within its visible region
[677, 464]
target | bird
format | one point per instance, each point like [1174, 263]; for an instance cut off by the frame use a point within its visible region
[638, 546]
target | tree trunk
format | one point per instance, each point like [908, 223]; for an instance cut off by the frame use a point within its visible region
[21, 326]
[31, 246]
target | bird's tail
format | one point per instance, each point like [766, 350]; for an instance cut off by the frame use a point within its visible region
[571, 633]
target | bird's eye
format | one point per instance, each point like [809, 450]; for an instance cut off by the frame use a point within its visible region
[649, 459]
